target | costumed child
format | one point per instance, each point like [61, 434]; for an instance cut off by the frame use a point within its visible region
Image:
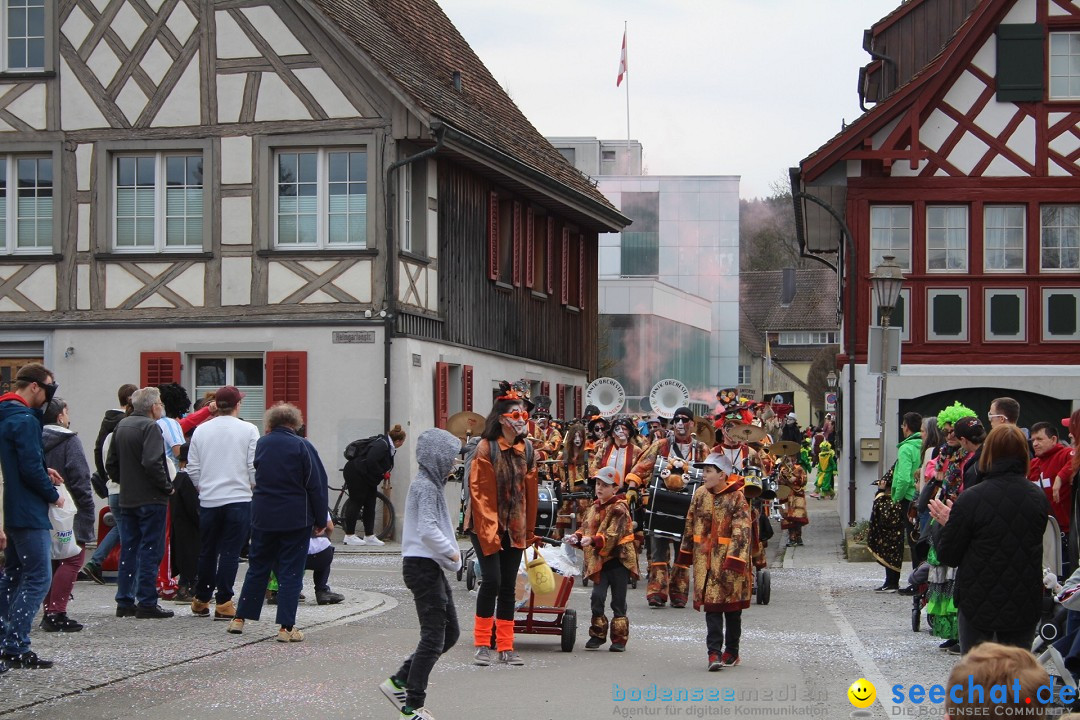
[607, 538]
[428, 548]
[826, 470]
[716, 543]
[795, 515]
[806, 459]
[573, 473]
[885, 538]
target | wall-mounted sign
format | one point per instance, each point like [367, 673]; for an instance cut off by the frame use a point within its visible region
[345, 337]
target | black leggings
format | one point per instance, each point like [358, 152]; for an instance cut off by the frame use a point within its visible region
[361, 497]
[498, 580]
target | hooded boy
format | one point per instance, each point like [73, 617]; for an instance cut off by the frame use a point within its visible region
[428, 547]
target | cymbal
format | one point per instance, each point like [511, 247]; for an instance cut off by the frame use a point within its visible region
[463, 423]
[784, 448]
[747, 433]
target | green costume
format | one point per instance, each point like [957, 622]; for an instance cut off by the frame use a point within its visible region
[826, 470]
[806, 456]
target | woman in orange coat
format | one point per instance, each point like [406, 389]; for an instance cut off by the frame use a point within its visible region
[500, 521]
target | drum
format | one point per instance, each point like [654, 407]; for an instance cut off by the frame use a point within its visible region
[768, 487]
[546, 507]
[665, 515]
[753, 482]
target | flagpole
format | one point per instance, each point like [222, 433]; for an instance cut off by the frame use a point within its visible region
[629, 160]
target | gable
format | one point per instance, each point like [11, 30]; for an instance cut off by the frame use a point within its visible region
[951, 122]
[132, 64]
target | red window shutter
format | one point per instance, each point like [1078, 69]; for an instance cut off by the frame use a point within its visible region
[493, 236]
[442, 394]
[581, 271]
[286, 379]
[545, 388]
[517, 245]
[560, 400]
[158, 368]
[549, 247]
[565, 270]
[577, 401]
[466, 387]
[530, 249]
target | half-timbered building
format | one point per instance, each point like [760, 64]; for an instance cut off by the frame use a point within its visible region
[329, 202]
[967, 171]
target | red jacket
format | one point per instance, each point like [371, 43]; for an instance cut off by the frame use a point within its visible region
[1042, 472]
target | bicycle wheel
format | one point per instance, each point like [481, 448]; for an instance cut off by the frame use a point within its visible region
[337, 512]
[384, 517]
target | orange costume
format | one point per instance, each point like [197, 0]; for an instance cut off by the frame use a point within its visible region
[622, 458]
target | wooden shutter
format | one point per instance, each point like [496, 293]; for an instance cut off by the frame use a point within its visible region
[493, 236]
[1021, 63]
[549, 249]
[565, 268]
[466, 387]
[545, 388]
[577, 401]
[517, 239]
[560, 400]
[530, 248]
[286, 380]
[158, 368]
[581, 271]
[442, 394]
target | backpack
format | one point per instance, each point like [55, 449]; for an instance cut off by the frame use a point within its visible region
[355, 454]
[470, 454]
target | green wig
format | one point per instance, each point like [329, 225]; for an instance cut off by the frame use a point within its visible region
[954, 412]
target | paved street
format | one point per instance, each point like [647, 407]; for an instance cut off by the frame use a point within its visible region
[822, 630]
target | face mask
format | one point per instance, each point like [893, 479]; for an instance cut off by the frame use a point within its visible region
[578, 440]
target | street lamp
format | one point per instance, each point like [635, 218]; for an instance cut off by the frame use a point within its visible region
[831, 379]
[886, 282]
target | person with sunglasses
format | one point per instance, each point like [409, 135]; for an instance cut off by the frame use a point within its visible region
[682, 451]
[616, 451]
[500, 519]
[29, 490]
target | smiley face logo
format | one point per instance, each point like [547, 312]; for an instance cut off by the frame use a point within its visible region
[862, 693]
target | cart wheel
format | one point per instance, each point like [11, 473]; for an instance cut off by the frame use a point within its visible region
[764, 589]
[470, 576]
[569, 630]
[584, 582]
[916, 614]
[633, 584]
[461, 572]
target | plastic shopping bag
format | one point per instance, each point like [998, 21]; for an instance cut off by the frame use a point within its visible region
[541, 579]
[63, 527]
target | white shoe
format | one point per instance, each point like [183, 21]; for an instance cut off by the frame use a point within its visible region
[354, 540]
[372, 540]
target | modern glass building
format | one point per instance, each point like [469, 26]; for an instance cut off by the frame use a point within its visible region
[669, 283]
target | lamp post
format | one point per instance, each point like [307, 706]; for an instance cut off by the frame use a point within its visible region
[886, 282]
[832, 380]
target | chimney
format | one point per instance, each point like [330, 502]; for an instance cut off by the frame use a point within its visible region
[787, 286]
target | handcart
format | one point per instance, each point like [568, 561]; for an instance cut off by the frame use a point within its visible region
[561, 620]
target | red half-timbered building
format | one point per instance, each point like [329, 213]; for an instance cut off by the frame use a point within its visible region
[967, 170]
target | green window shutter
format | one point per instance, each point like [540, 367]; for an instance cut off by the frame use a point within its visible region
[1021, 70]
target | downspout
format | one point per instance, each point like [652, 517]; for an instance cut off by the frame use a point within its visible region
[390, 310]
[886, 61]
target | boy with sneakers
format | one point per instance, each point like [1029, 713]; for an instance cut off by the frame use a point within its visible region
[428, 546]
[716, 542]
[607, 536]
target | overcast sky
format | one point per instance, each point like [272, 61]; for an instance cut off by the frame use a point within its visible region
[717, 87]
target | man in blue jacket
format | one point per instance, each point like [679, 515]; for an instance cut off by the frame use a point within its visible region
[29, 489]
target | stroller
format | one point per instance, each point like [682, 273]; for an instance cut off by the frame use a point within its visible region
[1053, 621]
[919, 579]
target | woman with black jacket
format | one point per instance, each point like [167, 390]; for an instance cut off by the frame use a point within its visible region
[362, 478]
[993, 532]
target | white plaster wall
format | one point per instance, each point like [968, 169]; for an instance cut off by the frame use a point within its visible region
[235, 221]
[235, 281]
[914, 381]
[937, 127]
[236, 160]
[128, 24]
[80, 112]
[40, 287]
[181, 108]
[131, 100]
[30, 107]
[277, 101]
[189, 284]
[964, 92]
[83, 155]
[274, 31]
[119, 285]
[1022, 11]
[230, 92]
[82, 242]
[326, 92]
[82, 283]
[231, 40]
[357, 281]
[181, 22]
[77, 26]
[281, 283]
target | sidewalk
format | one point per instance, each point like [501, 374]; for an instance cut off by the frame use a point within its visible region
[823, 539]
[110, 649]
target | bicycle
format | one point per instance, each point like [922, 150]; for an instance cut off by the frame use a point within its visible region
[385, 519]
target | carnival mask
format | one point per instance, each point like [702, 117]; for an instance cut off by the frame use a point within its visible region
[620, 433]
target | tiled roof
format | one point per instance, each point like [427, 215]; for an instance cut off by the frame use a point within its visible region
[813, 308]
[417, 46]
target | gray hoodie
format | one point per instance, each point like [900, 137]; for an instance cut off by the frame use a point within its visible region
[428, 531]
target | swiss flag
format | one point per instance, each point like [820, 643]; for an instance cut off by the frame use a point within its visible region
[622, 61]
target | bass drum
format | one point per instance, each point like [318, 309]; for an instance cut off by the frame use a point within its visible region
[667, 509]
[546, 508]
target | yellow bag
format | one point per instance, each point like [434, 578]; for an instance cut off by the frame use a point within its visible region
[541, 579]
